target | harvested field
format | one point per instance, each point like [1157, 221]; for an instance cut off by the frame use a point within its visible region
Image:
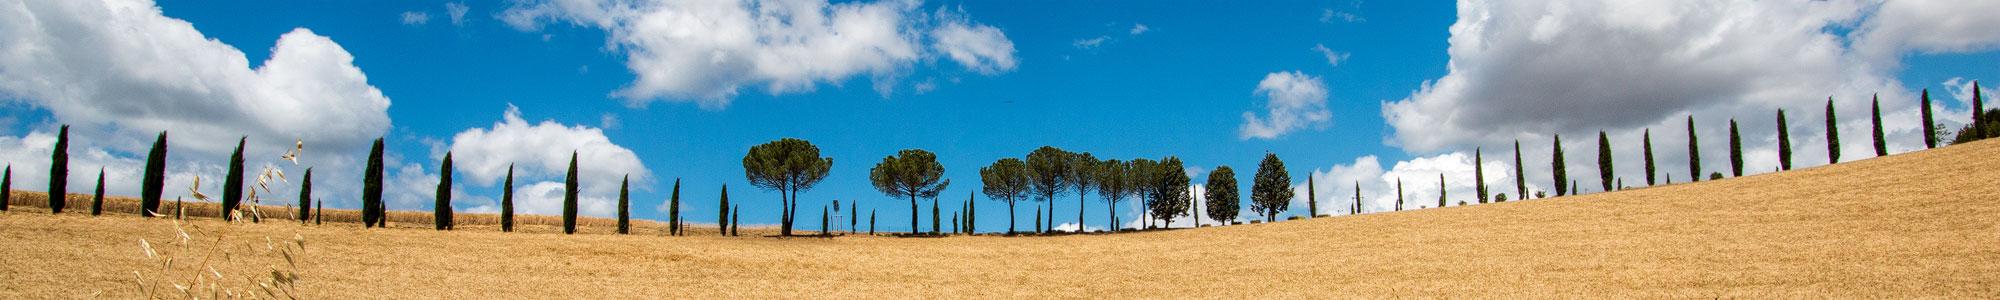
[1912, 225]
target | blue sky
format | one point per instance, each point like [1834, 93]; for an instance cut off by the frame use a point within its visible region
[1369, 79]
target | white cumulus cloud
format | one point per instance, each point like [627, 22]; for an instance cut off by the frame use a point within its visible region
[540, 155]
[1295, 101]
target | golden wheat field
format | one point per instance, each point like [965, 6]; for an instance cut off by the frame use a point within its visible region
[1912, 225]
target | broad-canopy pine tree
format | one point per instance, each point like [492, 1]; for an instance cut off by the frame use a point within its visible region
[1221, 194]
[1694, 151]
[232, 186]
[1083, 179]
[569, 196]
[1559, 168]
[1832, 134]
[1605, 171]
[1007, 181]
[371, 188]
[1049, 167]
[1881, 146]
[441, 212]
[59, 172]
[788, 166]
[911, 173]
[1735, 150]
[1784, 142]
[154, 181]
[1114, 183]
[1168, 187]
[1272, 191]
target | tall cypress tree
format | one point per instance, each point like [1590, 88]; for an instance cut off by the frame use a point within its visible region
[569, 197]
[1735, 151]
[1930, 127]
[97, 199]
[722, 214]
[1881, 146]
[507, 201]
[1356, 209]
[1978, 108]
[625, 205]
[1441, 198]
[971, 209]
[1647, 140]
[59, 172]
[1399, 194]
[154, 181]
[1520, 175]
[1694, 151]
[674, 210]
[735, 219]
[1784, 142]
[305, 196]
[1561, 171]
[823, 215]
[232, 186]
[7, 187]
[1605, 172]
[371, 187]
[1479, 175]
[935, 220]
[441, 211]
[1832, 134]
[1312, 200]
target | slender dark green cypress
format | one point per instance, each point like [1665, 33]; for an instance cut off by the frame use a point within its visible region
[625, 205]
[1978, 108]
[371, 188]
[871, 222]
[1647, 140]
[971, 211]
[1312, 203]
[1694, 152]
[1399, 194]
[7, 187]
[1784, 142]
[305, 196]
[824, 220]
[935, 220]
[1520, 175]
[569, 197]
[722, 214]
[1479, 175]
[1930, 127]
[154, 181]
[735, 220]
[1561, 171]
[1832, 134]
[232, 186]
[853, 217]
[97, 199]
[674, 210]
[1605, 172]
[1441, 198]
[58, 191]
[1735, 151]
[441, 211]
[507, 201]
[1881, 146]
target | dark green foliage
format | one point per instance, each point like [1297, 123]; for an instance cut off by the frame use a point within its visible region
[735, 219]
[569, 196]
[1694, 150]
[1881, 146]
[1735, 150]
[673, 209]
[232, 186]
[305, 196]
[1312, 198]
[1038, 220]
[371, 187]
[788, 166]
[1714, 175]
[441, 212]
[1520, 174]
[1221, 194]
[1049, 169]
[1931, 135]
[1559, 167]
[722, 211]
[1271, 192]
[1399, 194]
[912, 174]
[853, 216]
[1979, 118]
[1647, 141]
[1083, 178]
[1356, 209]
[1500, 198]
[1441, 196]
[1007, 181]
[871, 222]
[507, 201]
[971, 210]
[1784, 142]
[1479, 175]
[1114, 183]
[1605, 171]
[935, 219]
[1970, 133]
[58, 191]
[7, 187]
[625, 204]
[154, 182]
[1168, 185]
[1832, 134]
[318, 209]
[1139, 175]
[97, 199]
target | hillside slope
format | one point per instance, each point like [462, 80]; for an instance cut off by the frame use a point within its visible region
[1909, 225]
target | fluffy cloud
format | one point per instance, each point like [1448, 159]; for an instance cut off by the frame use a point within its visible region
[1929, 26]
[1336, 185]
[1295, 100]
[120, 72]
[706, 51]
[541, 152]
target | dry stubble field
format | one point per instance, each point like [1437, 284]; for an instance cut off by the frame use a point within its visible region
[1911, 225]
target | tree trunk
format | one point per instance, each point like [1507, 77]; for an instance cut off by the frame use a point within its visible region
[1079, 212]
[1010, 217]
[913, 213]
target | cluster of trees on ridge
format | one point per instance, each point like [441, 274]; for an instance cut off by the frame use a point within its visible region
[791, 166]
